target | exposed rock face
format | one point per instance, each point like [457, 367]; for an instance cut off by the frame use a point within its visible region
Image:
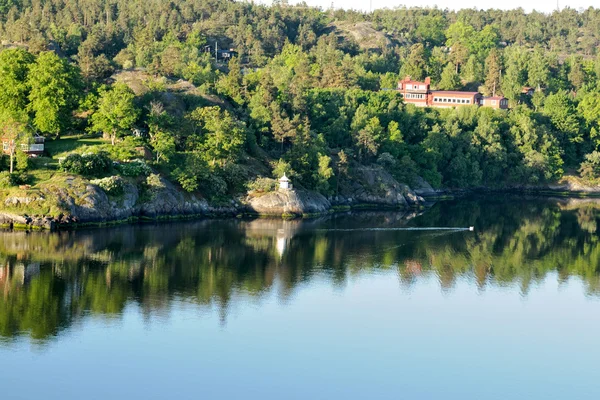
[84, 203]
[374, 185]
[565, 186]
[423, 188]
[284, 201]
[37, 222]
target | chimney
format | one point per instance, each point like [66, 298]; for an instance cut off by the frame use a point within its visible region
[428, 81]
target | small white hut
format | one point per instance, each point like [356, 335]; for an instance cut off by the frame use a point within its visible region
[284, 183]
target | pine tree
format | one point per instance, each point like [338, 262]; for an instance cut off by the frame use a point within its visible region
[538, 70]
[415, 63]
[493, 72]
[450, 79]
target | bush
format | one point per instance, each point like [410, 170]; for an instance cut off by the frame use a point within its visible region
[235, 176]
[590, 168]
[135, 168]
[7, 180]
[154, 182]
[87, 164]
[387, 161]
[112, 185]
[262, 185]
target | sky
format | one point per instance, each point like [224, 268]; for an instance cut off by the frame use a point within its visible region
[539, 5]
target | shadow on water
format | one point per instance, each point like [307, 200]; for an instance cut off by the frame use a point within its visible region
[48, 282]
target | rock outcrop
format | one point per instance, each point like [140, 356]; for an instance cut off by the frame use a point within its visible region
[289, 202]
[376, 186]
[72, 200]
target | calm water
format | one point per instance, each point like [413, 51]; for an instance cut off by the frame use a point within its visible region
[320, 309]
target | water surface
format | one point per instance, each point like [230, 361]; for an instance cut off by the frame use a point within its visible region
[348, 306]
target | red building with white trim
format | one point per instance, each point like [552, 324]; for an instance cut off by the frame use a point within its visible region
[420, 94]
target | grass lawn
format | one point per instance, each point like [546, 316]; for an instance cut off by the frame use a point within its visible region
[66, 144]
[43, 169]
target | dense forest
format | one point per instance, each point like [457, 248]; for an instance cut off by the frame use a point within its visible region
[309, 92]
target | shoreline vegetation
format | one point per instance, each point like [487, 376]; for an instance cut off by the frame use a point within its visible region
[425, 200]
[129, 110]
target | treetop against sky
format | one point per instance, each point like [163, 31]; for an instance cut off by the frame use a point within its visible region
[539, 5]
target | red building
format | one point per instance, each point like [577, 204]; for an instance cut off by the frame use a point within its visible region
[446, 99]
[420, 94]
[495, 102]
[415, 92]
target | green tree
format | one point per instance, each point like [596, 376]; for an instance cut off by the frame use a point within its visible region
[538, 70]
[367, 138]
[222, 136]
[14, 68]
[415, 64]
[450, 79]
[430, 29]
[576, 74]
[55, 87]
[473, 70]
[164, 145]
[116, 112]
[15, 130]
[324, 174]
[493, 73]
[342, 168]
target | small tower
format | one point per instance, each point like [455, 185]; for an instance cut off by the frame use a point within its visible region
[284, 183]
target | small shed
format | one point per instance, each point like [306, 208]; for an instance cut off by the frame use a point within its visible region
[284, 183]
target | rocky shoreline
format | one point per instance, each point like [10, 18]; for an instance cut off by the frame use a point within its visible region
[78, 203]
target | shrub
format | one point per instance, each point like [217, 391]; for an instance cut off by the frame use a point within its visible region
[88, 164]
[154, 182]
[6, 180]
[235, 176]
[262, 185]
[387, 161]
[135, 168]
[112, 185]
[590, 168]
[22, 161]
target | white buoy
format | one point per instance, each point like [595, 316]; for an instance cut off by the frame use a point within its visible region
[471, 228]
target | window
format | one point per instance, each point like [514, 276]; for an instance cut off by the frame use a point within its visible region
[5, 146]
[468, 101]
[493, 102]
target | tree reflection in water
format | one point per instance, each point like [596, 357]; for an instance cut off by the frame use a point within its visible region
[49, 281]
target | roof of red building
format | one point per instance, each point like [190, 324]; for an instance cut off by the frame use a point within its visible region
[408, 79]
[454, 92]
[494, 98]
